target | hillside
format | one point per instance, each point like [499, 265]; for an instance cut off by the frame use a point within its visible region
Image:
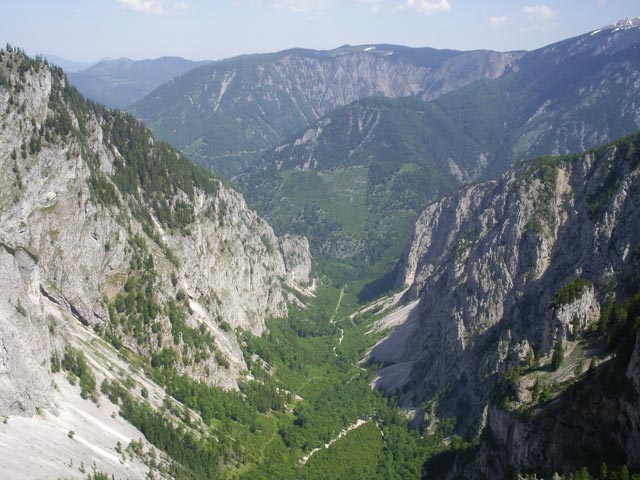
[563, 98]
[226, 113]
[352, 181]
[524, 283]
[124, 266]
[121, 82]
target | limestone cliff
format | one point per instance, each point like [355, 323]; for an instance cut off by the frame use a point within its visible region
[102, 226]
[506, 269]
[593, 421]
[518, 280]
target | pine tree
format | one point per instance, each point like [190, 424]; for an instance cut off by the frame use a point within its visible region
[536, 390]
[624, 473]
[603, 471]
[558, 354]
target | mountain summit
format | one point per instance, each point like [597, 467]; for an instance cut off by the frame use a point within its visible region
[626, 23]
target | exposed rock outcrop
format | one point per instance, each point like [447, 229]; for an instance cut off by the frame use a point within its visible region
[80, 229]
[489, 263]
[295, 251]
[570, 320]
[595, 418]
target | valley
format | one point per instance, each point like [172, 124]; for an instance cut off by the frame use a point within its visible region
[435, 272]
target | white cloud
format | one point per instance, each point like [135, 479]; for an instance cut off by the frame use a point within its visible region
[181, 6]
[152, 7]
[498, 21]
[373, 4]
[539, 12]
[299, 5]
[601, 3]
[427, 7]
[143, 6]
[541, 17]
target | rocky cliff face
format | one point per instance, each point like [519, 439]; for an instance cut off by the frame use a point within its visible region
[506, 269]
[594, 420]
[226, 113]
[87, 235]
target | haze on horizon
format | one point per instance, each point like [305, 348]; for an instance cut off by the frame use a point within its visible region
[88, 30]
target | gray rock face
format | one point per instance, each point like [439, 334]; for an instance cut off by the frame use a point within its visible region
[295, 251]
[491, 267]
[563, 321]
[350, 75]
[63, 250]
[25, 348]
[486, 263]
[588, 421]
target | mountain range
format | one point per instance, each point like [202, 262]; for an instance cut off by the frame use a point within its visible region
[402, 153]
[225, 114]
[69, 66]
[121, 82]
[440, 279]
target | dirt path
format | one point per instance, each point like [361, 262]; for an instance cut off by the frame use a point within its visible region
[335, 312]
[344, 431]
[335, 348]
[333, 321]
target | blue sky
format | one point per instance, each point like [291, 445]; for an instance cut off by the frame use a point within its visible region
[93, 29]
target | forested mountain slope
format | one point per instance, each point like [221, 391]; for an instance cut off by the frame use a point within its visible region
[353, 181]
[225, 114]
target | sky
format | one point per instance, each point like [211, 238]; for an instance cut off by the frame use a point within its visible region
[90, 30]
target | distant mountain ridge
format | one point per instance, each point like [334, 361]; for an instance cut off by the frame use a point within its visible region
[120, 82]
[226, 113]
[67, 65]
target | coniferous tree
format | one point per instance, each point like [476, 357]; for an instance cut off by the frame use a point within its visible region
[558, 354]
